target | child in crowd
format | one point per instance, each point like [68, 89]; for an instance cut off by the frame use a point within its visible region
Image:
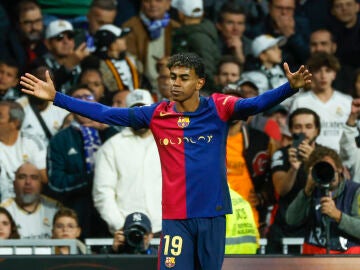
[8, 229]
[66, 226]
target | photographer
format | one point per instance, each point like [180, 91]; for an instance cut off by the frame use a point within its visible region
[288, 175]
[327, 207]
[135, 237]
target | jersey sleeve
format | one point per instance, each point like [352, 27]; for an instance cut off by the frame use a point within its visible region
[225, 105]
[136, 117]
[280, 161]
[250, 106]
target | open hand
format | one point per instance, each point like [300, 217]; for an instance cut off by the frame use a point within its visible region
[299, 79]
[38, 88]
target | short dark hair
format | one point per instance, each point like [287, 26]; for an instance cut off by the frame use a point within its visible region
[319, 153]
[25, 6]
[232, 8]
[189, 60]
[104, 4]
[11, 62]
[76, 87]
[321, 59]
[66, 212]
[305, 111]
[225, 59]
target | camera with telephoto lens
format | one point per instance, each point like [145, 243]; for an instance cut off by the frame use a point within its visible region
[323, 174]
[134, 236]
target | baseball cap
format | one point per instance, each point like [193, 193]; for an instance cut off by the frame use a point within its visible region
[191, 8]
[138, 219]
[107, 34]
[57, 27]
[264, 42]
[235, 88]
[139, 97]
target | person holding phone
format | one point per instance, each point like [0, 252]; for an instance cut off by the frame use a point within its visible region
[288, 173]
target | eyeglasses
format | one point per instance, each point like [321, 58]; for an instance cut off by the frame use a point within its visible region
[61, 36]
[31, 22]
[85, 97]
[61, 226]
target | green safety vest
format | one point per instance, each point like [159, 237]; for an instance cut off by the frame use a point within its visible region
[241, 232]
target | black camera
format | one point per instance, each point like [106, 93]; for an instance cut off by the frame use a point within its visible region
[134, 236]
[323, 174]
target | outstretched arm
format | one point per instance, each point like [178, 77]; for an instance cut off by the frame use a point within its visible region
[299, 79]
[133, 117]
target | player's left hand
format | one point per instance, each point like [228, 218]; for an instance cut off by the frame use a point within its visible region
[299, 79]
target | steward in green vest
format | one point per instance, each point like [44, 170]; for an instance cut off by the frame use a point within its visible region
[241, 233]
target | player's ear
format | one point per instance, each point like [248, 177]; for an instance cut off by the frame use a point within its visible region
[200, 83]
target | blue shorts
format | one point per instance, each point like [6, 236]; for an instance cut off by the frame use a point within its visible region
[189, 244]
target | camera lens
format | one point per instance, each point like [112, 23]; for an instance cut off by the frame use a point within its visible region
[323, 173]
[134, 236]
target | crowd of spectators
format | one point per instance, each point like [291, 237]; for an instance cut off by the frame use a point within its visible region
[58, 168]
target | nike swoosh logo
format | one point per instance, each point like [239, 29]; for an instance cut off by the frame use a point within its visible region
[164, 114]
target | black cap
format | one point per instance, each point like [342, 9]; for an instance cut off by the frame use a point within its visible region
[138, 219]
[107, 34]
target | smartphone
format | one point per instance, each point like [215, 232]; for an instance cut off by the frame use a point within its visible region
[297, 139]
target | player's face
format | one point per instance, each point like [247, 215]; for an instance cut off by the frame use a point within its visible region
[232, 25]
[184, 84]
[305, 123]
[66, 228]
[228, 73]
[8, 77]
[320, 41]
[31, 24]
[97, 17]
[5, 226]
[323, 78]
[27, 184]
[155, 9]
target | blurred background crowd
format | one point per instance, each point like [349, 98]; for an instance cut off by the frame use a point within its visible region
[65, 176]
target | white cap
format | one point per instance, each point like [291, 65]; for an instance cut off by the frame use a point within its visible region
[118, 32]
[264, 42]
[139, 97]
[191, 8]
[57, 27]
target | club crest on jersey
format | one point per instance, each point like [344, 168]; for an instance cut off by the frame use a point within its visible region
[170, 262]
[183, 121]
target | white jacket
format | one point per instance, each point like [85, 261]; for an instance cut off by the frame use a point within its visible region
[128, 179]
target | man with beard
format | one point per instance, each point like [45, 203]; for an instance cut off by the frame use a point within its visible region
[17, 147]
[30, 29]
[128, 174]
[33, 213]
[42, 118]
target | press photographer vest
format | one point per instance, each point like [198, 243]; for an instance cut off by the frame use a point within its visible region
[339, 240]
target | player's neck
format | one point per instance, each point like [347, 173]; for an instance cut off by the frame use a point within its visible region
[189, 105]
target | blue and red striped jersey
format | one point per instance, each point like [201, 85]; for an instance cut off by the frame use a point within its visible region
[192, 145]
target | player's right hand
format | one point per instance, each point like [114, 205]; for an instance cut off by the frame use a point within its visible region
[38, 88]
